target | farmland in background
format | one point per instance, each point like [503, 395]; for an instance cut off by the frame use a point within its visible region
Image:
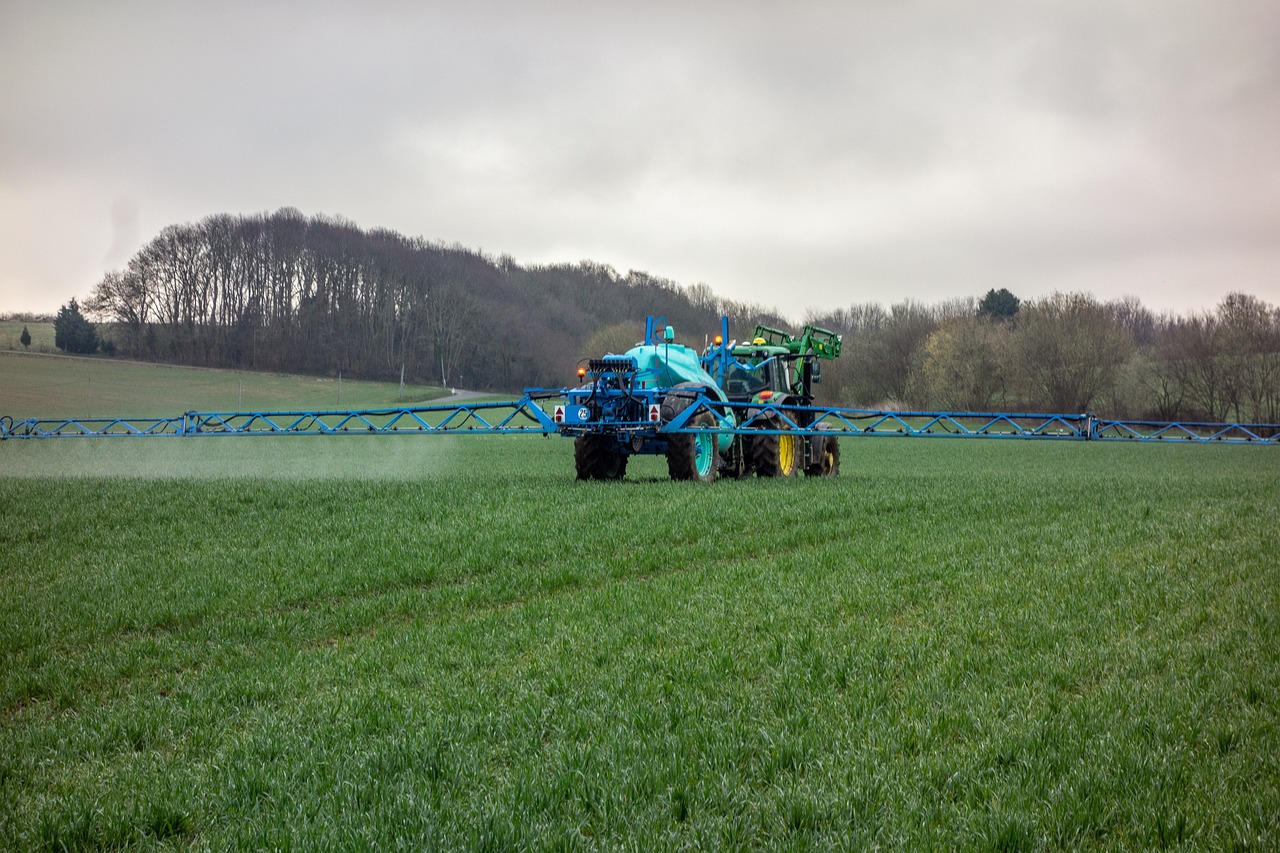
[60, 386]
[411, 642]
[42, 339]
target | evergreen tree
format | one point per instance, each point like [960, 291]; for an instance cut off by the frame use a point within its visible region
[72, 332]
[999, 305]
[25, 338]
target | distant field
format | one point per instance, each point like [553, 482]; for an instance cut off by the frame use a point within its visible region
[448, 643]
[41, 336]
[57, 386]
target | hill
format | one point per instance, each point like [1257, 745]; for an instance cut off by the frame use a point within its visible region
[321, 295]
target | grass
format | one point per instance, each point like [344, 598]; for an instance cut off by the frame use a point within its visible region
[59, 386]
[447, 642]
[42, 337]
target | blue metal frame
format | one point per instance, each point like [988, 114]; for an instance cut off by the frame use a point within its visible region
[528, 416]
[464, 418]
[831, 420]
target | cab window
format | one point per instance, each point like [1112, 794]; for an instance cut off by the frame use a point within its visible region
[741, 382]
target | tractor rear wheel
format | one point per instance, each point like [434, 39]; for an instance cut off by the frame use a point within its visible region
[692, 456]
[828, 464]
[776, 455]
[596, 457]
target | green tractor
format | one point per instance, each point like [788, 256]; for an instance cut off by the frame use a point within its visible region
[777, 369]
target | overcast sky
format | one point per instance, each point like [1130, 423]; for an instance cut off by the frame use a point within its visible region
[796, 154]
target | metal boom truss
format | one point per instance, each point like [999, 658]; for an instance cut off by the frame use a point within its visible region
[529, 415]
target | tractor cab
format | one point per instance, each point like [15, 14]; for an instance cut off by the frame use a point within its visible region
[777, 366]
[755, 371]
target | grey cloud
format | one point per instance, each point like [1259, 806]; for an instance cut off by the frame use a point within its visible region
[870, 150]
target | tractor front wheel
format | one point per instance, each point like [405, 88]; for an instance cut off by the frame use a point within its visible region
[828, 464]
[596, 457]
[776, 455]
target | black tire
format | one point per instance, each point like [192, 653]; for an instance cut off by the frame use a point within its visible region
[777, 455]
[693, 457]
[828, 464]
[689, 457]
[596, 457]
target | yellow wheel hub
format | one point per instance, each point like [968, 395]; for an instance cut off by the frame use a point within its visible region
[786, 455]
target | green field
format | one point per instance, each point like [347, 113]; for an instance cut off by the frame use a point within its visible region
[59, 386]
[42, 338]
[449, 643]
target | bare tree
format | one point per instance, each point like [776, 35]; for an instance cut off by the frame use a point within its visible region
[895, 351]
[1250, 352]
[1068, 349]
[1136, 319]
[1188, 355]
[966, 364]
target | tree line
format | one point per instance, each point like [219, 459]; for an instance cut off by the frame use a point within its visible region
[1067, 352]
[320, 295]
